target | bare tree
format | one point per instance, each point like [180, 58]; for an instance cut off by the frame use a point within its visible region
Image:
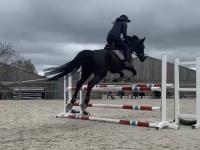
[9, 56]
[25, 65]
[7, 53]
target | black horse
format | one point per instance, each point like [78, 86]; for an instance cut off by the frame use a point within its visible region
[98, 63]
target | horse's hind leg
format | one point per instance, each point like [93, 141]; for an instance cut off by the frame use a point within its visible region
[91, 84]
[84, 76]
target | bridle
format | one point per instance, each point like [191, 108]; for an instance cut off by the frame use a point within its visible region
[145, 55]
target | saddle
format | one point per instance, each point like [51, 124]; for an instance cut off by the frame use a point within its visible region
[118, 52]
[110, 47]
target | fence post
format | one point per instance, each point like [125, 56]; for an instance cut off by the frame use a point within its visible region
[197, 125]
[176, 90]
[163, 91]
[20, 90]
[64, 89]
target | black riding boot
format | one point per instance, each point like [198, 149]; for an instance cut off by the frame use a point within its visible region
[127, 56]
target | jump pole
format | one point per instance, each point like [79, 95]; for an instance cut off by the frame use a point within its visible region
[130, 107]
[129, 84]
[117, 121]
[122, 88]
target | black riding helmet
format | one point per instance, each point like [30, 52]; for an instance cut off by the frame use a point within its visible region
[125, 18]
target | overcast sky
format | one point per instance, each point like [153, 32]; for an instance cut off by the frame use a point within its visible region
[51, 32]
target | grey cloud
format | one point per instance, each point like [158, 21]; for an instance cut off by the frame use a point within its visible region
[42, 28]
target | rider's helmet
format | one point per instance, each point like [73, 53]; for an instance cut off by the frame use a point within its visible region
[125, 18]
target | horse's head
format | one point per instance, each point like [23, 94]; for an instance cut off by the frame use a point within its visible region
[136, 46]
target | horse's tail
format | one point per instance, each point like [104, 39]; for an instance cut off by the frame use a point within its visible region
[82, 57]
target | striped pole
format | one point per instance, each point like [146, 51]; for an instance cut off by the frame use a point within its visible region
[131, 84]
[131, 107]
[117, 121]
[146, 89]
[124, 88]
[114, 88]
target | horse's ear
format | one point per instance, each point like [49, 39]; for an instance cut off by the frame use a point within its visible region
[128, 37]
[134, 37]
[142, 40]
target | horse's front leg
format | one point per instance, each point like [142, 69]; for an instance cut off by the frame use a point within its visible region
[130, 68]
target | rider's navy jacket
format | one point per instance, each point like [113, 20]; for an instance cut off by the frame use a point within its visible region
[119, 27]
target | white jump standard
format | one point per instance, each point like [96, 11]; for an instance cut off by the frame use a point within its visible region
[177, 89]
[163, 123]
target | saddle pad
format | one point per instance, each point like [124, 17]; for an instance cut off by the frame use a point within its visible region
[119, 54]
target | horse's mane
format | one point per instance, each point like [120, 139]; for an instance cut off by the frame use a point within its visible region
[132, 38]
[135, 37]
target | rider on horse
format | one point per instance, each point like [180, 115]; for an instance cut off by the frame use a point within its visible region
[114, 36]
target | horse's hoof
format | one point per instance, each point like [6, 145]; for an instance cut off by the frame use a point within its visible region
[86, 113]
[83, 107]
[134, 72]
[121, 74]
[69, 107]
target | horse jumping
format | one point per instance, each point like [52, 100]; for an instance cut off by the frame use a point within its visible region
[98, 63]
